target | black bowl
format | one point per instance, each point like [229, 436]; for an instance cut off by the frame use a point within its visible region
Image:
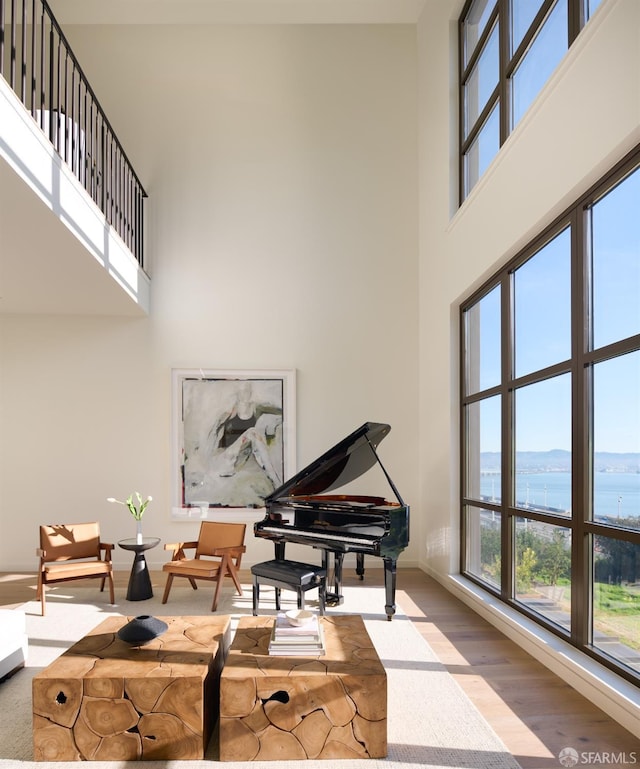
[140, 630]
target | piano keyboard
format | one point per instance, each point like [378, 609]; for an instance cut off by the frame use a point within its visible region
[308, 534]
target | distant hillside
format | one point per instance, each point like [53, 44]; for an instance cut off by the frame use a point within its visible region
[559, 461]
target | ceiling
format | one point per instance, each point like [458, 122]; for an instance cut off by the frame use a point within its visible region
[237, 11]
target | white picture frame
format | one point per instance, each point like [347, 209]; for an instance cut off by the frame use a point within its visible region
[234, 439]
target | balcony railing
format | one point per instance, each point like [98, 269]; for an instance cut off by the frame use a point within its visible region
[39, 65]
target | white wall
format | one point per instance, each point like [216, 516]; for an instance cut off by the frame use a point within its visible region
[281, 167]
[586, 118]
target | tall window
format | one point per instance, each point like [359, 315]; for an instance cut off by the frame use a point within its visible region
[550, 496]
[508, 51]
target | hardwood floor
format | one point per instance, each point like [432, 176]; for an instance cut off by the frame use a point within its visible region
[533, 711]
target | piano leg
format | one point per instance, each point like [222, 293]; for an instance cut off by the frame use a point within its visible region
[336, 598]
[390, 586]
[360, 565]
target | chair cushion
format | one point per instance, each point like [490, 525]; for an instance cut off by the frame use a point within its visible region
[193, 567]
[71, 569]
[291, 572]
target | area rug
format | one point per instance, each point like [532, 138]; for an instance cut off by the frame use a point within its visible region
[431, 722]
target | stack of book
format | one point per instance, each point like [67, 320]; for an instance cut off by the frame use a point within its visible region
[287, 640]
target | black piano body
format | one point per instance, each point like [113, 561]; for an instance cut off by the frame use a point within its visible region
[298, 512]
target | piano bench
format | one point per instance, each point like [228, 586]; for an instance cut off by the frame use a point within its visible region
[289, 575]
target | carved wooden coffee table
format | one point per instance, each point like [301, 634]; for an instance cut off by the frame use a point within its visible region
[104, 700]
[287, 708]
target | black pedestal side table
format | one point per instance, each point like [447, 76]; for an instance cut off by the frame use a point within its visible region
[139, 588]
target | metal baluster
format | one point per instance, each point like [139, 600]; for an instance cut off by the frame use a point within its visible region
[74, 121]
[42, 69]
[2, 27]
[33, 58]
[12, 63]
[68, 126]
[23, 53]
[53, 132]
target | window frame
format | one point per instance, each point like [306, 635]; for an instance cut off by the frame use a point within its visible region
[580, 366]
[508, 64]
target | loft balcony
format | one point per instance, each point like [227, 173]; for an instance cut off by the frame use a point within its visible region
[71, 205]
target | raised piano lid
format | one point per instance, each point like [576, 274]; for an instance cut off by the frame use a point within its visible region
[343, 463]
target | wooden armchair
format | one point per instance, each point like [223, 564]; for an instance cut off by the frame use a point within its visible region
[72, 551]
[219, 550]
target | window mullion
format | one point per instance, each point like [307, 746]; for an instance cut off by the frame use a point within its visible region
[503, 85]
[477, 127]
[582, 440]
[464, 440]
[508, 521]
[461, 110]
[533, 30]
[465, 71]
[577, 18]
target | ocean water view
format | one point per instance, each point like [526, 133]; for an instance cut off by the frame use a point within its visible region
[616, 495]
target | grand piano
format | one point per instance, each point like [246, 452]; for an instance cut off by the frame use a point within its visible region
[300, 511]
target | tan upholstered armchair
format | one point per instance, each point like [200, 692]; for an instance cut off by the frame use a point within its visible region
[219, 550]
[73, 551]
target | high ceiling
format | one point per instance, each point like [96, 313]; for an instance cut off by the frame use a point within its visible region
[237, 11]
[30, 282]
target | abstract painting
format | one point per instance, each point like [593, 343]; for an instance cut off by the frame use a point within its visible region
[234, 438]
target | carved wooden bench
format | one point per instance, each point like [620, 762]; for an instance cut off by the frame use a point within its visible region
[104, 700]
[277, 708]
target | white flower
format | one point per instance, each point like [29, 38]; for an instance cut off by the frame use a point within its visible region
[136, 511]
